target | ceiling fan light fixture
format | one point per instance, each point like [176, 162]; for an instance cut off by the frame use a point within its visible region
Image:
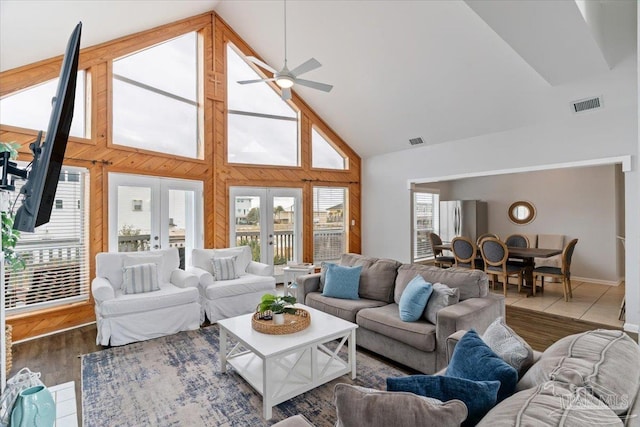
[284, 82]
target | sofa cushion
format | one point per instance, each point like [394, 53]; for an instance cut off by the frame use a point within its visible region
[341, 281]
[140, 278]
[168, 296]
[599, 359]
[551, 404]
[441, 297]
[474, 360]
[508, 345]
[359, 406]
[478, 396]
[386, 320]
[343, 308]
[377, 278]
[471, 283]
[414, 299]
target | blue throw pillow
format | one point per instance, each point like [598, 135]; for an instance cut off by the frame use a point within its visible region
[473, 360]
[342, 282]
[414, 299]
[479, 396]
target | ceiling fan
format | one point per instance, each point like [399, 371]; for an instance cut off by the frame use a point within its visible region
[286, 78]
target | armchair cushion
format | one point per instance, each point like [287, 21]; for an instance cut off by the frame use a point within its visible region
[167, 296]
[474, 360]
[359, 406]
[140, 278]
[478, 396]
[224, 268]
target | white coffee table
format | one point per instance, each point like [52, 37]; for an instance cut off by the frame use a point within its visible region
[280, 367]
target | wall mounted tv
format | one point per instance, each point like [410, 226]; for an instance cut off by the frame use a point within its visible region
[42, 181]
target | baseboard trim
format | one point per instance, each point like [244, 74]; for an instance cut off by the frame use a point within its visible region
[597, 281]
[631, 327]
[54, 332]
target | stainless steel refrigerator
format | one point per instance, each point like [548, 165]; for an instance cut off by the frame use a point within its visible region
[466, 218]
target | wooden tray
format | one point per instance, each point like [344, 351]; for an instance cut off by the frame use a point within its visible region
[292, 323]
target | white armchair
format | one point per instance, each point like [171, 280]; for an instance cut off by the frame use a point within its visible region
[221, 299]
[123, 318]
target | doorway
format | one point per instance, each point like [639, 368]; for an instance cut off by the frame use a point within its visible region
[270, 221]
[150, 213]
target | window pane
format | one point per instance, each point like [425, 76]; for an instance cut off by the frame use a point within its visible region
[56, 254]
[329, 223]
[323, 153]
[148, 120]
[31, 108]
[259, 140]
[425, 220]
[170, 66]
[254, 97]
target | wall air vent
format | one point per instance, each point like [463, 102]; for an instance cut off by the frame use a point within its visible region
[586, 104]
[416, 141]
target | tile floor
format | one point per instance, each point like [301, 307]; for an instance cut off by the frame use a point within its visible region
[591, 302]
[65, 397]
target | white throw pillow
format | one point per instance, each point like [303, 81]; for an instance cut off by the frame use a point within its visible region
[140, 278]
[441, 297]
[142, 258]
[224, 268]
[508, 345]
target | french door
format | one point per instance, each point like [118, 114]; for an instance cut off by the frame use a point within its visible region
[147, 213]
[270, 221]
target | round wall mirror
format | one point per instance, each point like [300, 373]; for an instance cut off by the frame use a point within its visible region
[522, 212]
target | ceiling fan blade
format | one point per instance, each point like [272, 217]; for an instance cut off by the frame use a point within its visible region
[260, 63]
[305, 67]
[286, 93]
[244, 82]
[314, 85]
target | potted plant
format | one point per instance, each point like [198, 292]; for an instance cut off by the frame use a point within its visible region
[278, 305]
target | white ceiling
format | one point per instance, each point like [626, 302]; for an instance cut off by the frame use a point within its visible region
[441, 70]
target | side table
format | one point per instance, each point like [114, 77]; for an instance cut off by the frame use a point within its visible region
[291, 273]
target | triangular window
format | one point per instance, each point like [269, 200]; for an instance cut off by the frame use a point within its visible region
[261, 127]
[155, 98]
[324, 154]
[31, 108]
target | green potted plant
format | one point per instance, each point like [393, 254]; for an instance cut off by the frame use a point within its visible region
[10, 236]
[278, 305]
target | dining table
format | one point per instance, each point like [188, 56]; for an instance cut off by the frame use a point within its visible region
[527, 255]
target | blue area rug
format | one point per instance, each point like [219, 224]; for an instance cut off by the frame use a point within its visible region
[176, 381]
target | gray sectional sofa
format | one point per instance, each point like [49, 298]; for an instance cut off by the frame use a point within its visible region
[420, 345]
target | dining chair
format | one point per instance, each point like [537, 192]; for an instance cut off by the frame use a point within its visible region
[495, 255]
[484, 236]
[440, 260]
[464, 252]
[563, 273]
[517, 241]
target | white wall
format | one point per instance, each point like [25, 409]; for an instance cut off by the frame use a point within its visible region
[609, 132]
[575, 202]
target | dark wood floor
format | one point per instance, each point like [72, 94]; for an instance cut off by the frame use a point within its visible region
[57, 356]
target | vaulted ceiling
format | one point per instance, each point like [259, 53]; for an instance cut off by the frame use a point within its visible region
[440, 70]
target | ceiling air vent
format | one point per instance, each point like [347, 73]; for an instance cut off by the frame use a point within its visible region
[586, 104]
[416, 141]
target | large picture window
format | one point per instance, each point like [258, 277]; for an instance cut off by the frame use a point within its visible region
[261, 127]
[155, 98]
[56, 255]
[31, 108]
[323, 153]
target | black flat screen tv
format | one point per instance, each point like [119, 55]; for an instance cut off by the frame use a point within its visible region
[42, 182]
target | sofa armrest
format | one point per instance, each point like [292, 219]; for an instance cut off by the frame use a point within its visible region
[102, 290]
[260, 269]
[307, 283]
[452, 341]
[204, 277]
[182, 279]
[472, 313]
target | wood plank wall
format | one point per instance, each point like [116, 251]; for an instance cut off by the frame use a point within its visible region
[100, 155]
